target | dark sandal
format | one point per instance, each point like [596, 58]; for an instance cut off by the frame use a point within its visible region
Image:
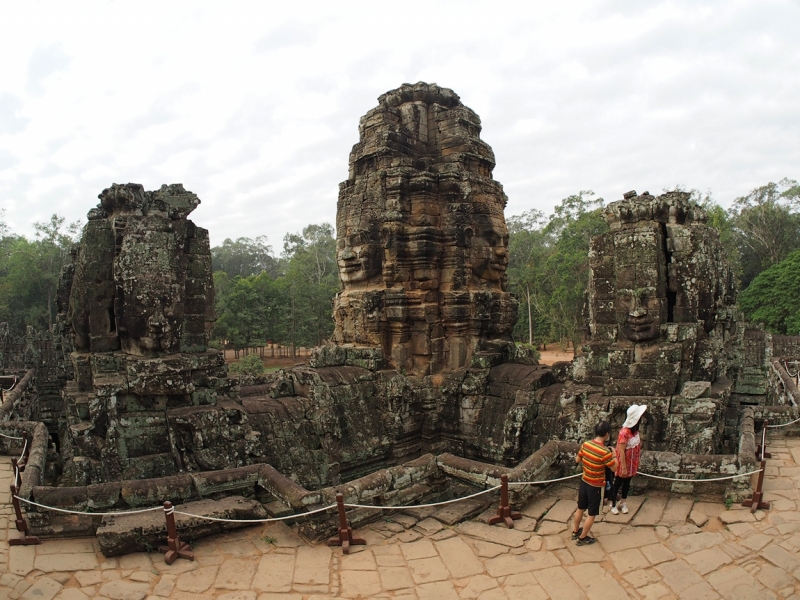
[577, 534]
[586, 541]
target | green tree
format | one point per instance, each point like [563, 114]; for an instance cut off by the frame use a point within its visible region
[311, 281]
[528, 248]
[251, 310]
[29, 273]
[549, 267]
[772, 297]
[575, 221]
[766, 226]
[244, 257]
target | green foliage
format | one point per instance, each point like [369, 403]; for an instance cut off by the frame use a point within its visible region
[244, 257]
[290, 306]
[29, 273]
[549, 267]
[248, 365]
[772, 297]
[766, 226]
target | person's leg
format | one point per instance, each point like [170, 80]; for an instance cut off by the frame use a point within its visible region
[614, 490]
[576, 522]
[624, 489]
[610, 498]
[593, 510]
[583, 504]
[587, 527]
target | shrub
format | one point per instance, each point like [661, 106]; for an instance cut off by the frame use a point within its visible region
[248, 365]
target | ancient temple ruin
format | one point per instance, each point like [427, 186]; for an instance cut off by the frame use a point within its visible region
[422, 244]
[422, 388]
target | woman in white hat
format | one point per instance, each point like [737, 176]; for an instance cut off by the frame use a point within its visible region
[628, 449]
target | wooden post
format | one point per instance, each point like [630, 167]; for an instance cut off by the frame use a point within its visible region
[504, 512]
[22, 525]
[345, 538]
[756, 502]
[175, 548]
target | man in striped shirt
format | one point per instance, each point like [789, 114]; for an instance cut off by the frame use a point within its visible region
[594, 456]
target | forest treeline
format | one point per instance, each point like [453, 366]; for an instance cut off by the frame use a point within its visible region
[286, 297]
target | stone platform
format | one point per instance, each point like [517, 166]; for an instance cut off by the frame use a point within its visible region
[666, 547]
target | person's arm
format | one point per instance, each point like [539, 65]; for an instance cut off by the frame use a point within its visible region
[623, 467]
[613, 464]
[578, 458]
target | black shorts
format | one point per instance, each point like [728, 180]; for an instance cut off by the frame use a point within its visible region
[589, 497]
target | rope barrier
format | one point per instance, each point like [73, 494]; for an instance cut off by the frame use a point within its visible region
[347, 505]
[783, 424]
[544, 481]
[442, 503]
[269, 520]
[94, 514]
[701, 480]
[24, 449]
[10, 437]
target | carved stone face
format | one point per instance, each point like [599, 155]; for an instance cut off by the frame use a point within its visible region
[489, 250]
[638, 313]
[358, 257]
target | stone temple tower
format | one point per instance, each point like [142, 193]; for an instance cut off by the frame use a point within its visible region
[422, 244]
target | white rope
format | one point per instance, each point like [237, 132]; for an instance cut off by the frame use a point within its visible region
[701, 480]
[486, 491]
[94, 514]
[24, 448]
[782, 424]
[305, 514]
[10, 437]
[545, 481]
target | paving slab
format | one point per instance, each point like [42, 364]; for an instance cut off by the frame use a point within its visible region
[650, 512]
[628, 560]
[558, 584]
[79, 561]
[520, 563]
[678, 575]
[708, 560]
[631, 538]
[634, 504]
[494, 534]
[596, 582]
[536, 508]
[690, 544]
[734, 583]
[456, 512]
[561, 511]
[676, 512]
[459, 558]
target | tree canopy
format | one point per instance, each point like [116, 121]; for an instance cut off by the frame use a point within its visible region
[773, 297]
[261, 297]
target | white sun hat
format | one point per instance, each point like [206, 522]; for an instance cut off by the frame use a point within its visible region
[635, 412]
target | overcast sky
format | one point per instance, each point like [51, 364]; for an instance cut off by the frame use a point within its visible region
[254, 106]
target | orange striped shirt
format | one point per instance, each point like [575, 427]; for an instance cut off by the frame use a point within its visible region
[595, 458]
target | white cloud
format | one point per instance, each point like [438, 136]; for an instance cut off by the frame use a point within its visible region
[254, 106]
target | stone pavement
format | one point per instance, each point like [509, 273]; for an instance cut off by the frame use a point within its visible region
[666, 547]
